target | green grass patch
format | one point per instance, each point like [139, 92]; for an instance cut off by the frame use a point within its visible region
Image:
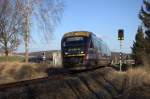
[11, 58]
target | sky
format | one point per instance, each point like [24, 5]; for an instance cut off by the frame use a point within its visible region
[102, 17]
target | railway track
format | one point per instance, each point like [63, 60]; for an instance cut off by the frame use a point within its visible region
[53, 74]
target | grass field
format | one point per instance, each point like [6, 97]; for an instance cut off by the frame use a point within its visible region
[12, 58]
[18, 71]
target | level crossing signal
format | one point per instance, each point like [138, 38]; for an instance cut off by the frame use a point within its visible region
[120, 34]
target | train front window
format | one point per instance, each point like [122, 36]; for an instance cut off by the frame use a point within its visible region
[74, 44]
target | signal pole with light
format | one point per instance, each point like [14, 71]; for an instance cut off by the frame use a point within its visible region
[120, 38]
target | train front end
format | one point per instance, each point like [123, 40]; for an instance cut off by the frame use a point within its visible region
[74, 50]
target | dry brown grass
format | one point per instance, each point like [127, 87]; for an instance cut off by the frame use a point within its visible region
[138, 77]
[17, 71]
[131, 84]
[137, 84]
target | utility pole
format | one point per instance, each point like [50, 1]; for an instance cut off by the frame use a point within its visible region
[120, 38]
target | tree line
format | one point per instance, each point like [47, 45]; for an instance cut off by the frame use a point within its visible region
[141, 45]
[16, 20]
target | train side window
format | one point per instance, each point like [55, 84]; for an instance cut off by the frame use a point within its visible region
[64, 44]
[94, 42]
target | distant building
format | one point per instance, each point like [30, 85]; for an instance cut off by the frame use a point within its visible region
[126, 58]
[3, 54]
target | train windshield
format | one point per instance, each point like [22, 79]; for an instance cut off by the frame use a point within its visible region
[74, 45]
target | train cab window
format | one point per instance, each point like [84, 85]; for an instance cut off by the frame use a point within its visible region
[91, 45]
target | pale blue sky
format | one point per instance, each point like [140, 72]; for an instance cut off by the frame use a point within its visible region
[102, 17]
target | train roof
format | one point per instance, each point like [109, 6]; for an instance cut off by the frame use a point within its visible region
[78, 33]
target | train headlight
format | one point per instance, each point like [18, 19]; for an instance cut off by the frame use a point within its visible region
[66, 53]
[81, 52]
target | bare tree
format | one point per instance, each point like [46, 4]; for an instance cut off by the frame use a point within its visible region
[10, 26]
[45, 14]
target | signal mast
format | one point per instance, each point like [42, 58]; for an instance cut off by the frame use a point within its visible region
[121, 38]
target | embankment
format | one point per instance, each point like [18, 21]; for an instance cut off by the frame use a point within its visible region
[104, 83]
